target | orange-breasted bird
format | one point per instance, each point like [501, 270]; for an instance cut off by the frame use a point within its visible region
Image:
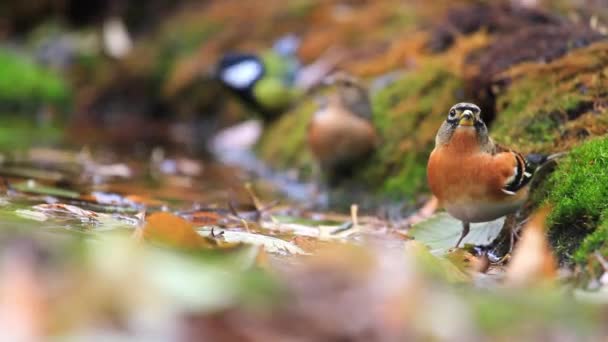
[341, 131]
[475, 179]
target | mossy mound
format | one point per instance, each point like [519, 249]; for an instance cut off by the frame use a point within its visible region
[497, 17]
[539, 44]
[554, 106]
[283, 144]
[577, 190]
[24, 83]
[406, 113]
[558, 106]
[33, 101]
[596, 241]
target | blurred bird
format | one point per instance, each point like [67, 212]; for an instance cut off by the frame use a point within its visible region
[264, 82]
[475, 179]
[341, 132]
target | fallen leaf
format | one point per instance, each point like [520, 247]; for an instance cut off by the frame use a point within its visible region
[441, 232]
[480, 264]
[306, 243]
[434, 265]
[271, 244]
[32, 172]
[112, 170]
[66, 212]
[262, 259]
[143, 200]
[168, 229]
[533, 261]
[204, 218]
[34, 187]
[31, 215]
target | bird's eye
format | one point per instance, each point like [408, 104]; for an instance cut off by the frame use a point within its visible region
[452, 113]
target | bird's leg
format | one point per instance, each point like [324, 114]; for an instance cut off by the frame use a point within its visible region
[320, 190]
[465, 231]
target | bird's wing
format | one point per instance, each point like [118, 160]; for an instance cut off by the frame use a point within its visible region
[522, 172]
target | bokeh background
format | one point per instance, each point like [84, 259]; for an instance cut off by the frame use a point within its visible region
[90, 89]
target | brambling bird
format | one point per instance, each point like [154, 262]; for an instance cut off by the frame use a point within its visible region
[475, 179]
[265, 82]
[341, 131]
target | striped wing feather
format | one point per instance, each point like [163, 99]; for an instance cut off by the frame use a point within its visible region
[522, 173]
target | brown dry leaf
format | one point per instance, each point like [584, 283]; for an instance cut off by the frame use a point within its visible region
[174, 231]
[262, 260]
[144, 200]
[480, 264]
[533, 261]
[205, 218]
[307, 243]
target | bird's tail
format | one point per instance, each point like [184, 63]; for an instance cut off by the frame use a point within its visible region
[538, 159]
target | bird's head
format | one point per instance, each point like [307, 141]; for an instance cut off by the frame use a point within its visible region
[239, 71]
[343, 81]
[463, 118]
[351, 92]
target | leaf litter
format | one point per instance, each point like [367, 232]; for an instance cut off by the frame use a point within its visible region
[196, 255]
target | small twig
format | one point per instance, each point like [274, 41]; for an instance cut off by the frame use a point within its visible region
[343, 228]
[218, 235]
[352, 225]
[233, 210]
[256, 202]
[246, 225]
[354, 209]
[269, 206]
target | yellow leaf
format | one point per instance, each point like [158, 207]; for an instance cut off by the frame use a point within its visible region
[533, 262]
[174, 231]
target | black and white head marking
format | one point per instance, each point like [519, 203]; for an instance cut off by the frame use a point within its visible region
[240, 71]
[453, 122]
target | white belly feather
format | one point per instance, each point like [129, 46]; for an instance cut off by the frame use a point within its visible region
[482, 211]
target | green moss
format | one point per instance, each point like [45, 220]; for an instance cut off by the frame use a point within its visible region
[532, 111]
[578, 189]
[596, 241]
[28, 92]
[544, 102]
[20, 132]
[554, 107]
[24, 83]
[300, 8]
[283, 145]
[407, 114]
[179, 39]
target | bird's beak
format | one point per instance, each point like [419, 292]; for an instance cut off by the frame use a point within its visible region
[467, 118]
